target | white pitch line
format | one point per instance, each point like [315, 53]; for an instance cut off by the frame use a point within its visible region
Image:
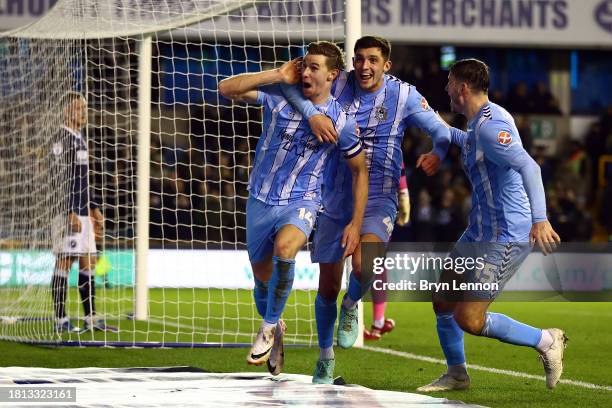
[412, 356]
[433, 360]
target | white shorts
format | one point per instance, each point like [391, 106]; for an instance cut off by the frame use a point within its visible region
[80, 243]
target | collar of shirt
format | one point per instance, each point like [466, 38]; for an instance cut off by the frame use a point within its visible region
[472, 123]
[323, 107]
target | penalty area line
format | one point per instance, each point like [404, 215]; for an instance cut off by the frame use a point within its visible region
[477, 367]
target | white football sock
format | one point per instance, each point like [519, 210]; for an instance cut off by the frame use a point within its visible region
[379, 323]
[545, 342]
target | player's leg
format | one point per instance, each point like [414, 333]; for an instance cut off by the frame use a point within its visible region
[326, 312]
[289, 240]
[87, 287]
[348, 326]
[450, 336]
[59, 289]
[474, 318]
[262, 271]
[503, 260]
[86, 248]
[260, 230]
[380, 324]
[66, 246]
[375, 234]
[294, 226]
[327, 251]
[87, 292]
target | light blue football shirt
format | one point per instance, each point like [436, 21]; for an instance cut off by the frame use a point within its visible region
[507, 191]
[289, 160]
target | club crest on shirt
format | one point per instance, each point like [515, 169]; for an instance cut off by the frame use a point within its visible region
[57, 149]
[424, 103]
[380, 113]
[504, 137]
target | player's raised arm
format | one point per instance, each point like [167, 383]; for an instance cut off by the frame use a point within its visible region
[350, 145]
[505, 149]
[243, 87]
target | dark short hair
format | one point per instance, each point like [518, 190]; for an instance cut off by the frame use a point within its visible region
[472, 71]
[70, 97]
[371, 41]
[333, 54]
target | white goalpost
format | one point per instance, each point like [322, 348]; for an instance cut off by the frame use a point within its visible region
[168, 164]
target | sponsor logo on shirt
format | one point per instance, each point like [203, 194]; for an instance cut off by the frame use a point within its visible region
[504, 137]
[424, 104]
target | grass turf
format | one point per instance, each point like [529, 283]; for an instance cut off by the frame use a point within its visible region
[588, 357]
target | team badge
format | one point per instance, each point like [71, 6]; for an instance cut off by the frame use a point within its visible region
[381, 113]
[57, 149]
[424, 104]
[504, 137]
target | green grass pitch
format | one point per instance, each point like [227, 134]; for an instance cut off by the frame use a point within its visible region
[588, 357]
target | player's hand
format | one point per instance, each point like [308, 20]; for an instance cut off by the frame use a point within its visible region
[545, 236]
[75, 223]
[403, 213]
[290, 71]
[323, 128]
[350, 238]
[429, 162]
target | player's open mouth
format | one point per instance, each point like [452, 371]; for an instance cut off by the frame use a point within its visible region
[365, 77]
[306, 85]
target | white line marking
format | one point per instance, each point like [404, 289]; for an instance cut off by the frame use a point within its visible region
[412, 356]
[433, 360]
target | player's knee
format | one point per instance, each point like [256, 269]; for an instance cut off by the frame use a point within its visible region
[330, 294]
[262, 270]
[329, 289]
[285, 248]
[469, 322]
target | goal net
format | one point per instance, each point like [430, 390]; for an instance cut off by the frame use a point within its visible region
[168, 164]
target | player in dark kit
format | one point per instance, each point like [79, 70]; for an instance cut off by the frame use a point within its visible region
[78, 223]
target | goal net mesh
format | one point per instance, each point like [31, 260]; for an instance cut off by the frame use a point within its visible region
[201, 152]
